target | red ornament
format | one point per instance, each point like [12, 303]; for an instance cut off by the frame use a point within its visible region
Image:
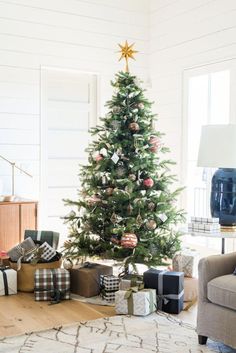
[154, 143]
[129, 240]
[148, 182]
[99, 157]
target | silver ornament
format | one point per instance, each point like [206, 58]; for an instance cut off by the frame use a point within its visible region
[67, 264]
[120, 171]
[151, 224]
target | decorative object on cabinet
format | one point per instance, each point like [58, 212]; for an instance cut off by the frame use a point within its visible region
[9, 198]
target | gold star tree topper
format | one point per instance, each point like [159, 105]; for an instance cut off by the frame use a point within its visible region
[126, 53]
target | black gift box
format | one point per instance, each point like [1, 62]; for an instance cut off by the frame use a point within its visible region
[168, 285]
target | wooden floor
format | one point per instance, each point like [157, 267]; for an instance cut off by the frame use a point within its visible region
[20, 313]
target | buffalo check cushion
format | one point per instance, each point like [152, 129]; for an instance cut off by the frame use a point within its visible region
[51, 281]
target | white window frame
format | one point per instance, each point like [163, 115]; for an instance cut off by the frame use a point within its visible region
[229, 64]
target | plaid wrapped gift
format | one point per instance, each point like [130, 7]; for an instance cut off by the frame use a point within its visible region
[43, 252]
[21, 250]
[109, 286]
[52, 284]
[52, 238]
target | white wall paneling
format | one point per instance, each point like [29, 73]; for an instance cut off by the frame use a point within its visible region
[75, 35]
[186, 34]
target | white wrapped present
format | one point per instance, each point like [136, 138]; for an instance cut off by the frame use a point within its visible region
[183, 261]
[8, 281]
[135, 302]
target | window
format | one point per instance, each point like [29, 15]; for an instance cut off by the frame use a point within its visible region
[208, 99]
[208, 103]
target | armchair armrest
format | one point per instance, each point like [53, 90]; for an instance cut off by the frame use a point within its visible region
[212, 267]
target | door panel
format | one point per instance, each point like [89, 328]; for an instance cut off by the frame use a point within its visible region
[68, 110]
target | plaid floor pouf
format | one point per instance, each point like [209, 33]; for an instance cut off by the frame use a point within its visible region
[52, 284]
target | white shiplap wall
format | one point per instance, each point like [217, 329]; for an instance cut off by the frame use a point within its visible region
[72, 34]
[185, 34]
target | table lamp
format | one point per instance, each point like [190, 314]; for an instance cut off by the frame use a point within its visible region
[218, 150]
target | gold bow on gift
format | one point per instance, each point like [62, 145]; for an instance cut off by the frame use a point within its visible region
[38, 252]
[129, 297]
[23, 252]
[132, 290]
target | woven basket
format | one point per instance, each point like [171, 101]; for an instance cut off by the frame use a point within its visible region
[25, 276]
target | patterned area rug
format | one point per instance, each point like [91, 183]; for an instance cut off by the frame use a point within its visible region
[158, 333]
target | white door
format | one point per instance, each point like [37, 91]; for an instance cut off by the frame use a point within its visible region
[69, 109]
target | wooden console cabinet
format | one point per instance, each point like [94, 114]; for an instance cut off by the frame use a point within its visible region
[15, 217]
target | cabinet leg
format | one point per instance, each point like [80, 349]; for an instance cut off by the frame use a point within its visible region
[202, 339]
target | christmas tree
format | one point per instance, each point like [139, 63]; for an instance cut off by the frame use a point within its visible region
[125, 209]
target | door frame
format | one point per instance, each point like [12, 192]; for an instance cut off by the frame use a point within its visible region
[43, 126]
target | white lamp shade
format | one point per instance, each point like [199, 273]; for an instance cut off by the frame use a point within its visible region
[217, 146]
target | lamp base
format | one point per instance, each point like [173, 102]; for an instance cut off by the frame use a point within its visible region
[223, 196]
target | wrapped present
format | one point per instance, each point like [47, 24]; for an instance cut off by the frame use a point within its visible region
[52, 284]
[130, 280]
[52, 238]
[109, 286]
[85, 280]
[20, 251]
[25, 276]
[190, 289]
[169, 287]
[184, 262]
[8, 281]
[135, 302]
[43, 252]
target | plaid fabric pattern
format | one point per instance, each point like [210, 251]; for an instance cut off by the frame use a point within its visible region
[47, 254]
[109, 282]
[52, 238]
[109, 297]
[109, 285]
[44, 286]
[21, 249]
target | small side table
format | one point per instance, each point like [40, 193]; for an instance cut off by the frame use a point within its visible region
[220, 235]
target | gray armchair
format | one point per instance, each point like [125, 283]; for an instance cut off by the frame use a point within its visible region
[216, 317]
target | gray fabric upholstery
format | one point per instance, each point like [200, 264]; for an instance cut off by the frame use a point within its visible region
[222, 291]
[215, 321]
